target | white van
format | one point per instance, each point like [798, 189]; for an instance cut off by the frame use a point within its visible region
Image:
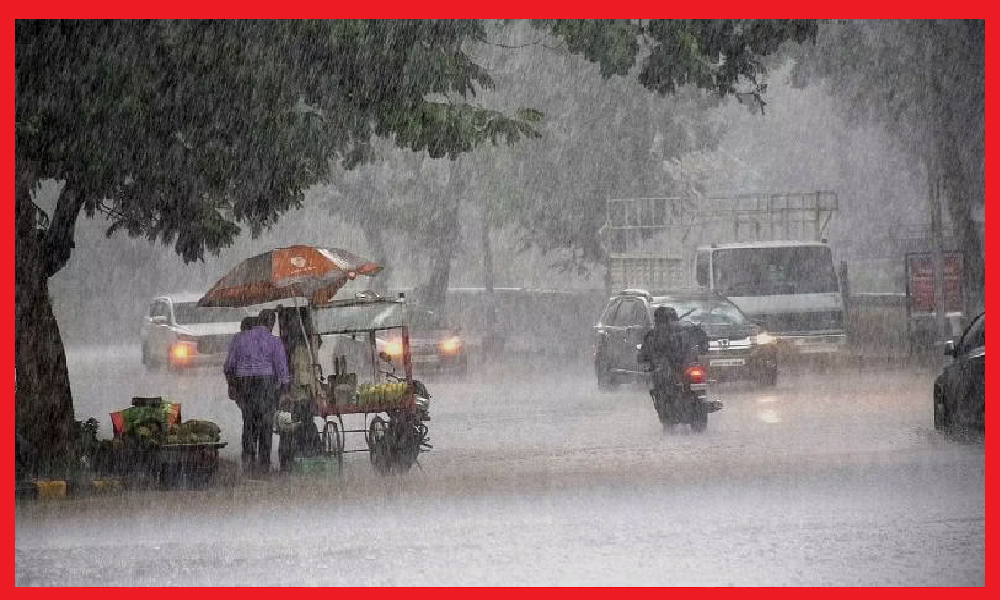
[790, 288]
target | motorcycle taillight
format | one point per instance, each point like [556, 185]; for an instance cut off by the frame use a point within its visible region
[695, 374]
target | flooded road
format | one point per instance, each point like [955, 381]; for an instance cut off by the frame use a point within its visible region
[535, 477]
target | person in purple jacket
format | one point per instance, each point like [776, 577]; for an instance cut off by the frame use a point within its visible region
[257, 371]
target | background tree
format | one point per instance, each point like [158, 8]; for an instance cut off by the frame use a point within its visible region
[612, 139]
[604, 133]
[924, 81]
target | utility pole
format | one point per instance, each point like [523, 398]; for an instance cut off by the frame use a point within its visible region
[934, 178]
[491, 316]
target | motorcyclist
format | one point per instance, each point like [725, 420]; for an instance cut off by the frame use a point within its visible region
[668, 347]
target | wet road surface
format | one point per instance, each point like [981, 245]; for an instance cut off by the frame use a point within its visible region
[834, 478]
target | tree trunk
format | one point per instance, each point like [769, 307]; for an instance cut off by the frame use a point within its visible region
[941, 331]
[974, 260]
[442, 252]
[491, 341]
[43, 402]
[437, 283]
[966, 193]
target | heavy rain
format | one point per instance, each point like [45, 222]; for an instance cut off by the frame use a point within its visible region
[466, 233]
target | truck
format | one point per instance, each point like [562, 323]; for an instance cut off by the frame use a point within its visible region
[766, 252]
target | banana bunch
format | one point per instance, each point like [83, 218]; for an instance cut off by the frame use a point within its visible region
[383, 395]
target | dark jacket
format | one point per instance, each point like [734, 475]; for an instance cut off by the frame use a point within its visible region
[672, 345]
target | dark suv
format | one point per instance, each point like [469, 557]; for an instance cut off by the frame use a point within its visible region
[737, 346]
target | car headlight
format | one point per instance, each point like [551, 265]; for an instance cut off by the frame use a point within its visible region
[394, 348]
[765, 338]
[182, 351]
[451, 345]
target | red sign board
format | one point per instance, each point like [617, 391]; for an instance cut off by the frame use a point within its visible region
[920, 282]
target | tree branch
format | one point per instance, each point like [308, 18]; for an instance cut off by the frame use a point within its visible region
[26, 217]
[517, 46]
[59, 236]
[109, 211]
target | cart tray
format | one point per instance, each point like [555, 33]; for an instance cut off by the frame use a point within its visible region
[201, 445]
[204, 455]
[347, 409]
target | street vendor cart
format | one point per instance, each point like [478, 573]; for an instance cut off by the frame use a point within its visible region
[393, 406]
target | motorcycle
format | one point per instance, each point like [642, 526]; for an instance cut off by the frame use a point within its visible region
[682, 398]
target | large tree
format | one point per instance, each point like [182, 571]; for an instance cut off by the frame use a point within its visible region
[180, 130]
[925, 82]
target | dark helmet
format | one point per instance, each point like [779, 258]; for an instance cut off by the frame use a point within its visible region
[664, 314]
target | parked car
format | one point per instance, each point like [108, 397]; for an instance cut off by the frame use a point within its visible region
[436, 346]
[960, 390]
[179, 334]
[737, 346]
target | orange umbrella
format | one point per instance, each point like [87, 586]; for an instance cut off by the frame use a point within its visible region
[295, 272]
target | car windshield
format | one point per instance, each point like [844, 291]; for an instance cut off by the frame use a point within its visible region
[359, 317]
[190, 312]
[706, 312]
[424, 319]
[976, 335]
[772, 271]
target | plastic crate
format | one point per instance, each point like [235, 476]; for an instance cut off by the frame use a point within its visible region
[51, 490]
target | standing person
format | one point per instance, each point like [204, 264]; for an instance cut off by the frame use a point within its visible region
[257, 369]
[301, 437]
[246, 324]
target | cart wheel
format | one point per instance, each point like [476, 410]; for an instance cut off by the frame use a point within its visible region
[406, 435]
[378, 446]
[333, 441]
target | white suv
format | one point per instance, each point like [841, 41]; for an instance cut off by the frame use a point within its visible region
[179, 334]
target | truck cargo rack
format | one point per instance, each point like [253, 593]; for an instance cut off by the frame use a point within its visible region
[751, 217]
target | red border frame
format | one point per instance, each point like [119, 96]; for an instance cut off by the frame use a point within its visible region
[455, 8]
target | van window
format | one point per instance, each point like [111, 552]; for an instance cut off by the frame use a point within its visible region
[623, 314]
[630, 314]
[609, 313]
[159, 309]
[774, 271]
[701, 268]
[615, 313]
